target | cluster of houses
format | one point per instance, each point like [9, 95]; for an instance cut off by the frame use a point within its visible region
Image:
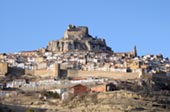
[43, 62]
[74, 86]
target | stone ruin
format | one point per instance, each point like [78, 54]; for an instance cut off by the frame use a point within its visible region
[78, 39]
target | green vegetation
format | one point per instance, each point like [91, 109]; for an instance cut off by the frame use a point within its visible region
[29, 110]
[49, 94]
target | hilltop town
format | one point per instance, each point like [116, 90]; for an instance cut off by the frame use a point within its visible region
[77, 64]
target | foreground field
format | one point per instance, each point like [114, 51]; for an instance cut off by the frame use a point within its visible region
[116, 101]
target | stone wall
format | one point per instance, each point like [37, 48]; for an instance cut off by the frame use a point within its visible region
[114, 75]
[76, 32]
[40, 72]
[46, 72]
[3, 68]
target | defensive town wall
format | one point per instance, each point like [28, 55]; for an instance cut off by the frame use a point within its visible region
[41, 73]
[53, 72]
[3, 68]
[114, 75]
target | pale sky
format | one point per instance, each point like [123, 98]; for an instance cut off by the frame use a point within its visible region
[31, 24]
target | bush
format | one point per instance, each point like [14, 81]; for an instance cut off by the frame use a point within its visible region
[49, 94]
[29, 110]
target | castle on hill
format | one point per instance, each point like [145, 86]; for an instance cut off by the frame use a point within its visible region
[78, 39]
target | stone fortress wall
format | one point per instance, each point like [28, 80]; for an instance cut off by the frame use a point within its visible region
[74, 32]
[114, 75]
[3, 68]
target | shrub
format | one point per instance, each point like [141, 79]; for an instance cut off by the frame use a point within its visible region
[29, 110]
[49, 94]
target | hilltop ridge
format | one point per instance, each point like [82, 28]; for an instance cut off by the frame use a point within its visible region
[78, 39]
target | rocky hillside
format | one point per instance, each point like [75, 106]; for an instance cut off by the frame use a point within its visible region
[78, 39]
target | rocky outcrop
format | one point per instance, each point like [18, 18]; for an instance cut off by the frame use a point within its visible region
[78, 39]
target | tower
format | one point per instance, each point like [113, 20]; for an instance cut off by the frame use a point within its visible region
[135, 51]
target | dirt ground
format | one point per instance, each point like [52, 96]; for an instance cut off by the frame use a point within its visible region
[116, 101]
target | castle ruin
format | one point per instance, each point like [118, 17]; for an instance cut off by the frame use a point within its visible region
[78, 39]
